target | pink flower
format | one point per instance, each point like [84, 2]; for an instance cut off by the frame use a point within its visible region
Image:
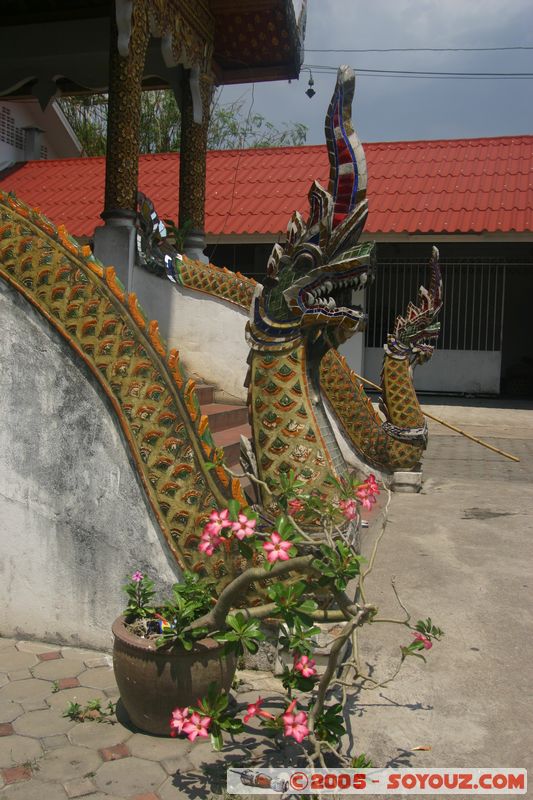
[305, 665]
[196, 726]
[372, 484]
[367, 492]
[366, 496]
[348, 508]
[428, 644]
[295, 505]
[137, 576]
[367, 503]
[243, 527]
[277, 548]
[208, 543]
[295, 725]
[211, 529]
[255, 710]
[218, 520]
[178, 720]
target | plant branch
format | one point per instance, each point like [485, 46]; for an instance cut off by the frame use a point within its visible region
[250, 476]
[398, 598]
[379, 684]
[269, 609]
[359, 619]
[300, 531]
[375, 548]
[228, 598]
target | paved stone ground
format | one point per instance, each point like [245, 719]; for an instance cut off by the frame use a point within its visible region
[47, 756]
[461, 552]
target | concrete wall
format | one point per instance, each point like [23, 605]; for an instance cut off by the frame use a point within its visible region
[475, 371]
[74, 518]
[354, 348]
[208, 332]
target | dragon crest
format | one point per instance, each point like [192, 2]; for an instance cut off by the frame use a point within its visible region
[311, 278]
[413, 334]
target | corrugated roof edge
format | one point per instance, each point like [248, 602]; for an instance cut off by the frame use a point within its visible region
[306, 148]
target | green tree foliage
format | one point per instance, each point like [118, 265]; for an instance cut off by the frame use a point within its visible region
[230, 126]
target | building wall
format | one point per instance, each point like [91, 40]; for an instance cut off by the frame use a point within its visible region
[56, 141]
[207, 331]
[250, 259]
[483, 347]
[517, 354]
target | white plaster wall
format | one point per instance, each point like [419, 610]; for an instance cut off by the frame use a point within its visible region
[472, 371]
[74, 518]
[354, 349]
[208, 332]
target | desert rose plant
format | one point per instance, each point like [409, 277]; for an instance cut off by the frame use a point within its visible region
[321, 572]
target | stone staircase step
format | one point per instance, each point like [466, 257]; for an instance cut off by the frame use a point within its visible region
[230, 440]
[227, 424]
[205, 393]
[222, 416]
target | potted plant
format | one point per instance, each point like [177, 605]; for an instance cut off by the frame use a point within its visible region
[158, 663]
[174, 664]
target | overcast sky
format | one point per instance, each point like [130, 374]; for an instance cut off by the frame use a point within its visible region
[389, 108]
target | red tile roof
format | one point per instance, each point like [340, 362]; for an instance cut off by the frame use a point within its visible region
[462, 185]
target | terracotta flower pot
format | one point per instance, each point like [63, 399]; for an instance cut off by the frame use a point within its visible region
[153, 682]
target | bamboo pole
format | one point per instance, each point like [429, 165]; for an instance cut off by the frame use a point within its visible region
[446, 424]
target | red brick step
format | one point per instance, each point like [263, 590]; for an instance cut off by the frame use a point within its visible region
[205, 393]
[222, 416]
[230, 440]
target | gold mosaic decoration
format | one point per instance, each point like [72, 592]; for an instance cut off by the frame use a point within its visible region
[215, 281]
[286, 432]
[361, 423]
[156, 404]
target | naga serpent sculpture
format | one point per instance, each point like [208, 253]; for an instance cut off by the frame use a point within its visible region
[292, 332]
[307, 296]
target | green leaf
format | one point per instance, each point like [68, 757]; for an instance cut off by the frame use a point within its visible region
[217, 741]
[361, 762]
[409, 651]
[284, 527]
[234, 509]
[330, 725]
[245, 549]
[232, 725]
[307, 607]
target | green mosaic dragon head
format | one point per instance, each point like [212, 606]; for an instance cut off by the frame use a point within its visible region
[310, 280]
[414, 334]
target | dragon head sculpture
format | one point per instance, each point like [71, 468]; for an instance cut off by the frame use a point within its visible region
[414, 334]
[310, 280]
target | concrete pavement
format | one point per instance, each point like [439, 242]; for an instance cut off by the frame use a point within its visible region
[461, 552]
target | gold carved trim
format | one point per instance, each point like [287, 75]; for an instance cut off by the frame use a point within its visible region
[191, 26]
